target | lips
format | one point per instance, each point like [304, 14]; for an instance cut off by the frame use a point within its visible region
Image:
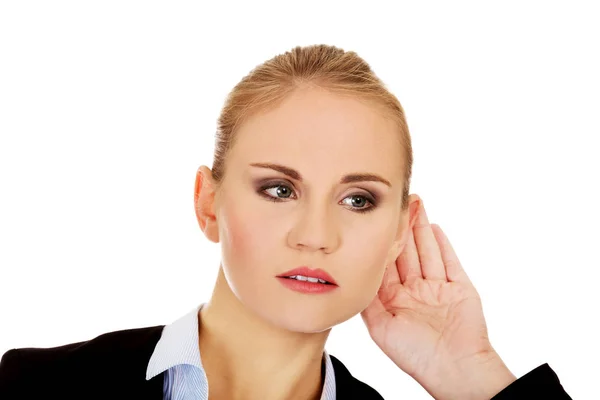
[309, 273]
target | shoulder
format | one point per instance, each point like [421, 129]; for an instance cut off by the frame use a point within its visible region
[101, 349]
[348, 387]
[118, 353]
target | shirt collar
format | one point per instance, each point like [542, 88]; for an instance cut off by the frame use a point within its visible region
[178, 344]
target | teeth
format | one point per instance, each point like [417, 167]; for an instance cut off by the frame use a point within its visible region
[304, 278]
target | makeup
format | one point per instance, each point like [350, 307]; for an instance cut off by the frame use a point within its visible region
[306, 280]
[306, 286]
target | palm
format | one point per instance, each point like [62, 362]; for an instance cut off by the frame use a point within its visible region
[427, 313]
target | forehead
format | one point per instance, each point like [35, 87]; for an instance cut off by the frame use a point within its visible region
[320, 132]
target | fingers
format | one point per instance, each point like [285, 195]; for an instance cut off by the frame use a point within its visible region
[430, 256]
[454, 270]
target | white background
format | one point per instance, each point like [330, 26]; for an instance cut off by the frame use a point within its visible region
[108, 108]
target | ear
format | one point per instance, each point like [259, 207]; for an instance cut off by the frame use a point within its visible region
[204, 203]
[407, 222]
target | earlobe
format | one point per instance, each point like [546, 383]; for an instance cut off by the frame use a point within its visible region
[204, 196]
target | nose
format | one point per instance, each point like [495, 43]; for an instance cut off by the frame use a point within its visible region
[315, 230]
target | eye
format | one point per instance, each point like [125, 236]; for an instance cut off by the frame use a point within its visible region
[360, 203]
[279, 191]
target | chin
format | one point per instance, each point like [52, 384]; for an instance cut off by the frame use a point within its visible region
[306, 324]
[305, 321]
[298, 313]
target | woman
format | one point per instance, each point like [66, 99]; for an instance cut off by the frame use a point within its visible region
[309, 198]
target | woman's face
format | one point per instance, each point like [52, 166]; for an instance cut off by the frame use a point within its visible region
[269, 222]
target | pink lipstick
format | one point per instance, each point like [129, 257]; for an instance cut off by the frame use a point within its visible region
[306, 280]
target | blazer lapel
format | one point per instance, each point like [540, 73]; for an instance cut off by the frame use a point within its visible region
[348, 387]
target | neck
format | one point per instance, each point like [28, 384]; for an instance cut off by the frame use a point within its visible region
[247, 357]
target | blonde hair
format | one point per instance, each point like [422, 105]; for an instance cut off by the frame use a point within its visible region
[329, 67]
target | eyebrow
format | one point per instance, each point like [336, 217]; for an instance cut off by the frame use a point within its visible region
[292, 173]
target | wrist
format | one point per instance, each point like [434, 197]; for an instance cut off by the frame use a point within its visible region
[478, 378]
[488, 377]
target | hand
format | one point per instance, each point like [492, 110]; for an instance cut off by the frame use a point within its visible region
[428, 318]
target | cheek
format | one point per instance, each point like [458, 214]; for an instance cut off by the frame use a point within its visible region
[245, 243]
[368, 252]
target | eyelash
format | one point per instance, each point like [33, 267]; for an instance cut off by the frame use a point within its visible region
[262, 193]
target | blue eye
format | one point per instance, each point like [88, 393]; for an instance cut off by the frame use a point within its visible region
[285, 192]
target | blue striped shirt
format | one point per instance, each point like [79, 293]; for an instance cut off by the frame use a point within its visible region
[177, 352]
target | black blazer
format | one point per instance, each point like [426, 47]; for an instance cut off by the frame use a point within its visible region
[113, 366]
